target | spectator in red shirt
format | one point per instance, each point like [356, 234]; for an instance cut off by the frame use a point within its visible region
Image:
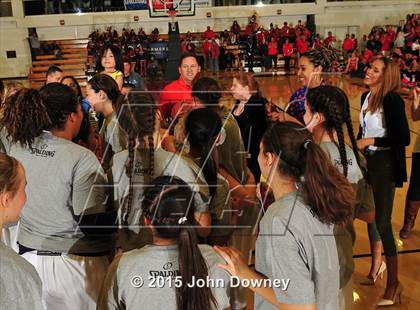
[273, 52]
[287, 53]
[386, 44]
[391, 33]
[302, 45]
[235, 27]
[355, 43]
[214, 56]
[208, 34]
[206, 52]
[249, 29]
[347, 46]
[328, 39]
[285, 30]
[178, 93]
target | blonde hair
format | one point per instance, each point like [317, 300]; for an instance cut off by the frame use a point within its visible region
[390, 82]
[11, 88]
[9, 177]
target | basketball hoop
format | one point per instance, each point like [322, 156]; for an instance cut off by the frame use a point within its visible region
[171, 8]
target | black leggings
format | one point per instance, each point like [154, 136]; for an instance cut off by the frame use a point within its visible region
[381, 177]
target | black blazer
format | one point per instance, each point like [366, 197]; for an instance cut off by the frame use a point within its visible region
[253, 124]
[398, 134]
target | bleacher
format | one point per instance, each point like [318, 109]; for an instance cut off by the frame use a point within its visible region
[72, 62]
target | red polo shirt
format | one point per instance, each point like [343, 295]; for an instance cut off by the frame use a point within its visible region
[172, 97]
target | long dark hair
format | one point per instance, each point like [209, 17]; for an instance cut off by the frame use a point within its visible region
[108, 85]
[325, 190]
[137, 116]
[115, 50]
[79, 90]
[208, 91]
[202, 127]
[60, 101]
[169, 206]
[333, 104]
[24, 116]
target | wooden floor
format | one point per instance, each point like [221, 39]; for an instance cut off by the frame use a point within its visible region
[278, 89]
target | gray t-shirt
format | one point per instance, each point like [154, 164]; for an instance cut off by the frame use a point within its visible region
[165, 163]
[114, 139]
[293, 244]
[65, 180]
[345, 235]
[20, 285]
[150, 262]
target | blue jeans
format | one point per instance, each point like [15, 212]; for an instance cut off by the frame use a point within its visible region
[214, 64]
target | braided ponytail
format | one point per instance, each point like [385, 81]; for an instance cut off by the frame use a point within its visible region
[137, 115]
[333, 104]
[340, 135]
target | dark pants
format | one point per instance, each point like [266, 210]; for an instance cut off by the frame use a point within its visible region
[379, 165]
[287, 63]
[273, 59]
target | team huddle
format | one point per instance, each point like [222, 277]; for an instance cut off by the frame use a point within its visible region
[133, 201]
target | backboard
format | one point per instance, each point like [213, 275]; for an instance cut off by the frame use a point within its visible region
[171, 8]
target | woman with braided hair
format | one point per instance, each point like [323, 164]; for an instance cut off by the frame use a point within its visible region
[311, 66]
[171, 266]
[295, 234]
[133, 169]
[327, 110]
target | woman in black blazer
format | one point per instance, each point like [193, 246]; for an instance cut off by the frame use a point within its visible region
[249, 112]
[383, 136]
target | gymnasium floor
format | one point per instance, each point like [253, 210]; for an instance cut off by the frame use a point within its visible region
[278, 89]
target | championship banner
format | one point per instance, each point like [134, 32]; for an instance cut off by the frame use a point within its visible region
[159, 50]
[136, 4]
[158, 4]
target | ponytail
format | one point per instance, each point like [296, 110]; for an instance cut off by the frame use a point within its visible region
[191, 263]
[169, 206]
[325, 189]
[137, 116]
[202, 127]
[327, 192]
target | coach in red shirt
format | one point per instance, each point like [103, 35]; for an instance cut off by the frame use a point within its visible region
[178, 93]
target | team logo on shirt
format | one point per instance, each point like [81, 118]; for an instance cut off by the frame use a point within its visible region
[139, 170]
[42, 151]
[165, 272]
[337, 162]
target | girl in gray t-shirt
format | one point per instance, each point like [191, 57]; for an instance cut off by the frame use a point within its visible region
[20, 285]
[296, 256]
[104, 96]
[327, 110]
[133, 169]
[174, 272]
